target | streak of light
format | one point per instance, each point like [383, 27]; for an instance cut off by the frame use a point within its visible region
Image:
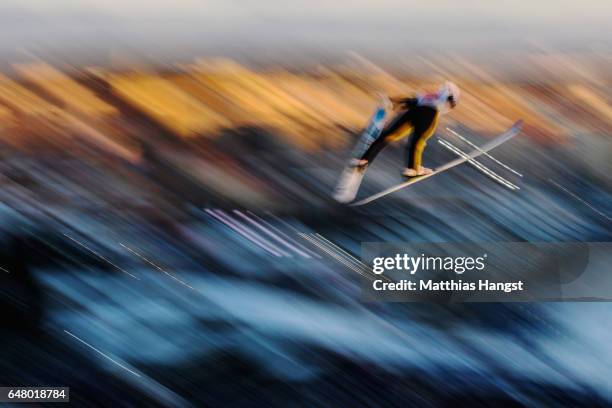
[479, 166]
[298, 232]
[332, 254]
[335, 248]
[101, 353]
[100, 256]
[309, 253]
[484, 153]
[355, 260]
[245, 232]
[581, 200]
[269, 232]
[156, 266]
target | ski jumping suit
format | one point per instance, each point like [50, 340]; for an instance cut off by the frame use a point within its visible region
[420, 118]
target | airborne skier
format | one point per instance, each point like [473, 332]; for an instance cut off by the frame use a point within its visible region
[417, 114]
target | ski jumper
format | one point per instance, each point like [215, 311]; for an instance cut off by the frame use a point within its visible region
[418, 116]
[419, 119]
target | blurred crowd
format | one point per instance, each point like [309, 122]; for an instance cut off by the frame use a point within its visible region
[197, 126]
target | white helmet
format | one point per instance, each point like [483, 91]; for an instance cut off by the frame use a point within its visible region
[449, 92]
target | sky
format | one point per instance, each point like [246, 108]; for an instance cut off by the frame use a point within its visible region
[293, 26]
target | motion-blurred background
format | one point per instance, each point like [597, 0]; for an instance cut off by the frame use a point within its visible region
[168, 233]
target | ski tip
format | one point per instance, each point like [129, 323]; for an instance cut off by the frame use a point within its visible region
[362, 202]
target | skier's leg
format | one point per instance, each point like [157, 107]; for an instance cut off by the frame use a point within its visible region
[373, 150]
[425, 122]
[397, 129]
